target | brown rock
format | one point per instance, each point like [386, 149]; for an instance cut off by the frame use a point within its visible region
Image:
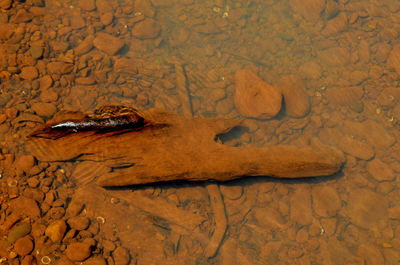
[394, 212]
[24, 205]
[254, 97]
[87, 5]
[300, 206]
[326, 201]
[78, 251]
[44, 109]
[268, 219]
[367, 208]
[85, 81]
[5, 4]
[121, 256]
[296, 99]
[25, 163]
[24, 246]
[344, 95]
[3, 118]
[95, 261]
[375, 134]
[370, 254]
[108, 43]
[146, 29]
[356, 148]
[310, 70]
[103, 6]
[78, 222]
[145, 7]
[45, 82]
[309, 9]
[393, 60]
[106, 18]
[59, 68]
[29, 73]
[85, 46]
[48, 95]
[22, 16]
[335, 56]
[56, 230]
[74, 208]
[18, 231]
[29, 260]
[380, 171]
[335, 25]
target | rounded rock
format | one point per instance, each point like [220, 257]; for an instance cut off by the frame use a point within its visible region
[56, 230]
[29, 73]
[78, 251]
[24, 246]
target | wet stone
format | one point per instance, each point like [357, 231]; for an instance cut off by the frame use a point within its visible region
[87, 5]
[29, 73]
[108, 43]
[26, 206]
[78, 251]
[121, 256]
[36, 51]
[24, 246]
[56, 230]
[78, 222]
[44, 109]
[380, 171]
[18, 231]
[95, 261]
[326, 201]
[25, 163]
[146, 29]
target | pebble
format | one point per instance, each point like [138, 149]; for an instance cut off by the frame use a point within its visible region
[106, 18]
[28, 260]
[268, 219]
[146, 29]
[44, 109]
[344, 95]
[5, 4]
[56, 230]
[380, 171]
[367, 209]
[29, 73]
[78, 251]
[394, 212]
[326, 201]
[121, 256]
[24, 246]
[85, 46]
[74, 208]
[45, 82]
[25, 163]
[335, 25]
[310, 70]
[356, 148]
[255, 98]
[22, 16]
[36, 51]
[300, 206]
[78, 222]
[393, 60]
[87, 5]
[95, 261]
[296, 99]
[25, 205]
[18, 231]
[59, 68]
[309, 9]
[48, 95]
[108, 43]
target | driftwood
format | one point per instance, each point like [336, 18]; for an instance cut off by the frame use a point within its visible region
[172, 147]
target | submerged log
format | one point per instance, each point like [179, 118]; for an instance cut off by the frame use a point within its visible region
[170, 147]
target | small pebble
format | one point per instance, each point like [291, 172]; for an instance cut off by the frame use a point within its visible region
[24, 246]
[78, 251]
[121, 256]
[56, 230]
[19, 231]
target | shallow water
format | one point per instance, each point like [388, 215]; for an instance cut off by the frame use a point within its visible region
[182, 56]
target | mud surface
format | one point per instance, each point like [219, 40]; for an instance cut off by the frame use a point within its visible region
[336, 64]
